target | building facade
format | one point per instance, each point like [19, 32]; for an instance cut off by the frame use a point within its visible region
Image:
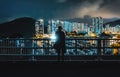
[97, 25]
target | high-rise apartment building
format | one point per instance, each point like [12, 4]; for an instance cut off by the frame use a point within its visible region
[39, 27]
[97, 24]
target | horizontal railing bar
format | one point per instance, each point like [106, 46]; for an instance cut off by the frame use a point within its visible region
[52, 47]
[24, 55]
[64, 60]
[54, 39]
[43, 55]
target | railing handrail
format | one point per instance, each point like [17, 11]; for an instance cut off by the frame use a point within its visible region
[83, 38]
[99, 45]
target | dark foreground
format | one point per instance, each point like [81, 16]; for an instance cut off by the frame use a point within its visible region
[60, 69]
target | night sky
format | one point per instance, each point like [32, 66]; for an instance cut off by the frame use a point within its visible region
[58, 9]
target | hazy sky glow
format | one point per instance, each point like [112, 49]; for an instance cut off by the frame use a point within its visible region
[104, 8]
[49, 9]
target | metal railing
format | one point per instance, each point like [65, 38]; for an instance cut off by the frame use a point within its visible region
[77, 49]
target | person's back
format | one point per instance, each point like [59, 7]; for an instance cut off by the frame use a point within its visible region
[60, 40]
[60, 37]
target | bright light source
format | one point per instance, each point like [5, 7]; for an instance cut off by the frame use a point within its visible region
[53, 36]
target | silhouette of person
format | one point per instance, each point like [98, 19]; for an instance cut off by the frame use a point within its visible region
[60, 41]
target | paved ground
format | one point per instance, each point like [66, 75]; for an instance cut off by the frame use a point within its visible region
[60, 69]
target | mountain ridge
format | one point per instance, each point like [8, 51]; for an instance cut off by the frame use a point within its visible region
[23, 26]
[113, 23]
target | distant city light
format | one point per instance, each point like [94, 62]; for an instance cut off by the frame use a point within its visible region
[46, 36]
[41, 20]
[58, 21]
[62, 22]
[93, 35]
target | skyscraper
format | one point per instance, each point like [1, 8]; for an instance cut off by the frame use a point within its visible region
[97, 24]
[49, 28]
[39, 27]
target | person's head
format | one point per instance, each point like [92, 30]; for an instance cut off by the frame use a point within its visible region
[59, 27]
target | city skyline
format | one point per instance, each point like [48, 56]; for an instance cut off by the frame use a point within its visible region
[58, 9]
[96, 27]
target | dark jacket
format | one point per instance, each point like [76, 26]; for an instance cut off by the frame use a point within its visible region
[60, 38]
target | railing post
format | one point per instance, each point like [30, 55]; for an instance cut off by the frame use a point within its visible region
[48, 45]
[44, 46]
[75, 45]
[33, 50]
[104, 45]
[99, 49]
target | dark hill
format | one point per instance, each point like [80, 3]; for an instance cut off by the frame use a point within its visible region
[113, 23]
[24, 26]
